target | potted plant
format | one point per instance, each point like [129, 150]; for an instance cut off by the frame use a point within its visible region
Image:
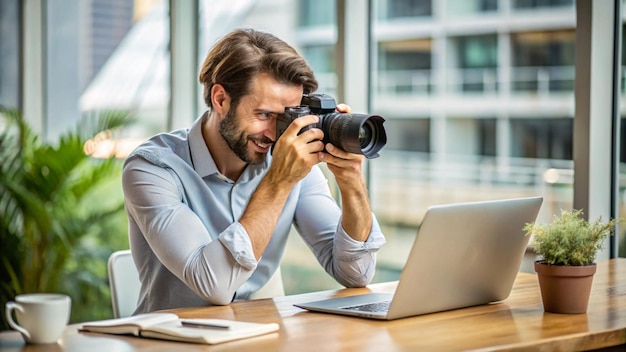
[567, 248]
[50, 212]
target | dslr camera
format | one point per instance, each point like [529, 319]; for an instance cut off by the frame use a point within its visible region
[354, 133]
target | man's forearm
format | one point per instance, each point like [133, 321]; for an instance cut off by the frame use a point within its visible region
[356, 213]
[263, 210]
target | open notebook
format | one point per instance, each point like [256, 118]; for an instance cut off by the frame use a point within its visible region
[464, 254]
[167, 326]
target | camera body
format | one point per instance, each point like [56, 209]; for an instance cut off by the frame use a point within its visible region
[354, 133]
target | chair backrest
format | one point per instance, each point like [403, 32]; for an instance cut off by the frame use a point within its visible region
[124, 283]
[273, 288]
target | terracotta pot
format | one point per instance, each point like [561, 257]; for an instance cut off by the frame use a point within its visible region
[565, 289]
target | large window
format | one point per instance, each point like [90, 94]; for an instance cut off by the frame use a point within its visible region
[10, 66]
[316, 13]
[477, 58]
[408, 134]
[404, 66]
[321, 58]
[489, 118]
[531, 4]
[85, 57]
[467, 8]
[126, 62]
[542, 138]
[544, 61]
[404, 8]
[472, 99]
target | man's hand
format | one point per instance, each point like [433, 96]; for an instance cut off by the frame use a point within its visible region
[345, 166]
[295, 154]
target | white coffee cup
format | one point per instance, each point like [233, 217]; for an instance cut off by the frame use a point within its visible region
[42, 317]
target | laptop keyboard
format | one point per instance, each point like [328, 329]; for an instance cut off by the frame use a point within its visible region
[382, 306]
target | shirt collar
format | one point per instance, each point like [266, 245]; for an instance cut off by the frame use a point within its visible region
[202, 159]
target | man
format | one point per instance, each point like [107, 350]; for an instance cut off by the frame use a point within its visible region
[210, 208]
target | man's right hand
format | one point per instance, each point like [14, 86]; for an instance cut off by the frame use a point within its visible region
[295, 154]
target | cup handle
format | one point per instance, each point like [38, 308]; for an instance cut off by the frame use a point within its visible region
[10, 306]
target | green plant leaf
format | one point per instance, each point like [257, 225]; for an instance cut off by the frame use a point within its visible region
[47, 207]
[569, 239]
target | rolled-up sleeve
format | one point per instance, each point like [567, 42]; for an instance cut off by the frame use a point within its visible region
[238, 243]
[355, 260]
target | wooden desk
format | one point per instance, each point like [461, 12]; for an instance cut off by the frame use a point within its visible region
[516, 324]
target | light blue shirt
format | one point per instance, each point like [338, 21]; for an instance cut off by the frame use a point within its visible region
[187, 243]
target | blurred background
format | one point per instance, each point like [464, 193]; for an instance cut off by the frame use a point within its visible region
[478, 97]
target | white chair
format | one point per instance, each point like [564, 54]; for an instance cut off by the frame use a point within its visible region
[273, 287]
[124, 284]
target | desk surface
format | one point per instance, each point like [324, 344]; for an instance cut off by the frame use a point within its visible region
[516, 324]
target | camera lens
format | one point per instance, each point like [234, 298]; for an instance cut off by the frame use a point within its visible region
[365, 135]
[355, 133]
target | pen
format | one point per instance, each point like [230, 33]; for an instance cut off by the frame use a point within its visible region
[202, 325]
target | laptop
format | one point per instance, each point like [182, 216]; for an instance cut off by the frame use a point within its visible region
[464, 254]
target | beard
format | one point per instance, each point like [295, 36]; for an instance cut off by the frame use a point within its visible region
[237, 139]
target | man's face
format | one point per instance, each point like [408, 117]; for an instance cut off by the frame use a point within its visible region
[249, 128]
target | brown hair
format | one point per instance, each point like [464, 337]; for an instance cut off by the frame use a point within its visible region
[244, 53]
